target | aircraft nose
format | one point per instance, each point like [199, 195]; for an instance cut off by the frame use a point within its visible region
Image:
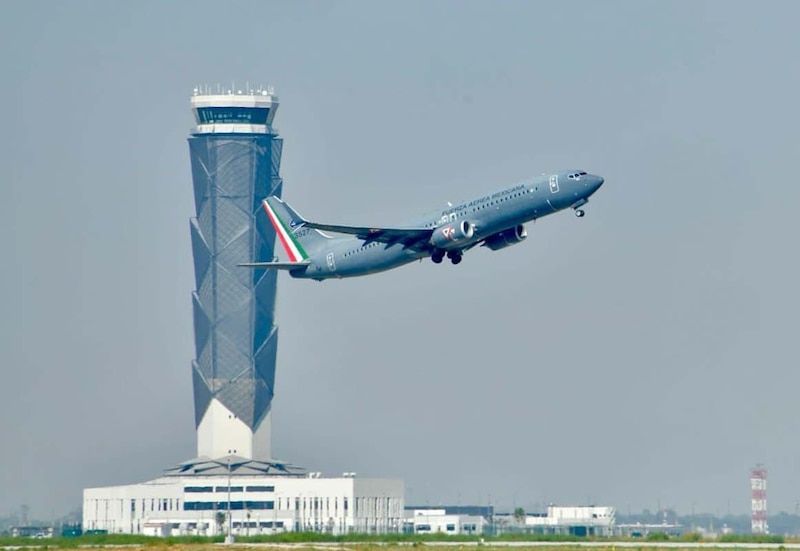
[596, 182]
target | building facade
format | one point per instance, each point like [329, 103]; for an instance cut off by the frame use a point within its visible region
[245, 497]
[577, 521]
[440, 521]
[235, 156]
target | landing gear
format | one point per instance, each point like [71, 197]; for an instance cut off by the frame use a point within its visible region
[438, 255]
[576, 206]
[454, 256]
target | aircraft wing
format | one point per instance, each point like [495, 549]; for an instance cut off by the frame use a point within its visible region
[407, 236]
[276, 265]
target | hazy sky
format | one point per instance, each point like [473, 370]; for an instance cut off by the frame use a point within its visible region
[644, 354]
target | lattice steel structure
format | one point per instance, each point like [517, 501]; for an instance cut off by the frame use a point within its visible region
[235, 156]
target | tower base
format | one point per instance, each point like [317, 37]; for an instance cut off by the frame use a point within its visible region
[221, 434]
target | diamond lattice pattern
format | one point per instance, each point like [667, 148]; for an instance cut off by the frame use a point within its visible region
[235, 336]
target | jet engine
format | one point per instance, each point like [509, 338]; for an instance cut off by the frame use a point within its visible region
[452, 235]
[506, 238]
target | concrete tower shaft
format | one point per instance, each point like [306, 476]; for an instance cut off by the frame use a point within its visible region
[235, 155]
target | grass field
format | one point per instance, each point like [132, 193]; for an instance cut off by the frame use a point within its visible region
[397, 542]
[645, 546]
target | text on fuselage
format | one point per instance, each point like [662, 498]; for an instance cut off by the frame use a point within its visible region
[448, 215]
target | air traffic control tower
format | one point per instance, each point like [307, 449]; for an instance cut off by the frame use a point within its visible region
[236, 158]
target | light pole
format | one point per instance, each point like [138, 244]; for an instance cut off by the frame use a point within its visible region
[275, 504]
[247, 528]
[229, 537]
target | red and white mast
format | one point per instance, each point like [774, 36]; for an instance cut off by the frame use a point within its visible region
[758, 500]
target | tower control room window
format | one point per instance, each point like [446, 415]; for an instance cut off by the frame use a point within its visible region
[232, 115]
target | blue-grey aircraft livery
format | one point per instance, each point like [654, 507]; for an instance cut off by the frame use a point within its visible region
[494, 221]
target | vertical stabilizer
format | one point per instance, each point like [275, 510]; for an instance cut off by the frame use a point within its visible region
[297, 241]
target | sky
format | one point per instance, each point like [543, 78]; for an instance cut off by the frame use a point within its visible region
[641, 356]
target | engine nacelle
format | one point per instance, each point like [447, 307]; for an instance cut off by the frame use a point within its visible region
[506, 238]
[452, 235]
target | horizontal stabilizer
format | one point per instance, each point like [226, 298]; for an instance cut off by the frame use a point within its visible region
[276, 265]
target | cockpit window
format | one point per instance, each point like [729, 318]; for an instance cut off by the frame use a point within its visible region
[576, 175]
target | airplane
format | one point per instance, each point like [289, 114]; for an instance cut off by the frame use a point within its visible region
[494, 220]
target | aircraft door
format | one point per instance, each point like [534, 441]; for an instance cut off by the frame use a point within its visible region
[331, 262]
[554, 183]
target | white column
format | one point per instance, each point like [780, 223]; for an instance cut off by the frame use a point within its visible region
[222, 433]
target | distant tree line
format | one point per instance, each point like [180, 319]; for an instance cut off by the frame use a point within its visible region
[782, 523]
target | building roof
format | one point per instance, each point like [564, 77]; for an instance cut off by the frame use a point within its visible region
[236, 465]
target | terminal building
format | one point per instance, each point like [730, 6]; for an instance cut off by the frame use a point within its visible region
[456, 520]
[245, 497]
[577, 521]
[448, 520]
[235, 485]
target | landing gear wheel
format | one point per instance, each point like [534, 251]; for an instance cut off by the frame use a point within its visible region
[437, 257]
[579, 213]
[454, 256]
